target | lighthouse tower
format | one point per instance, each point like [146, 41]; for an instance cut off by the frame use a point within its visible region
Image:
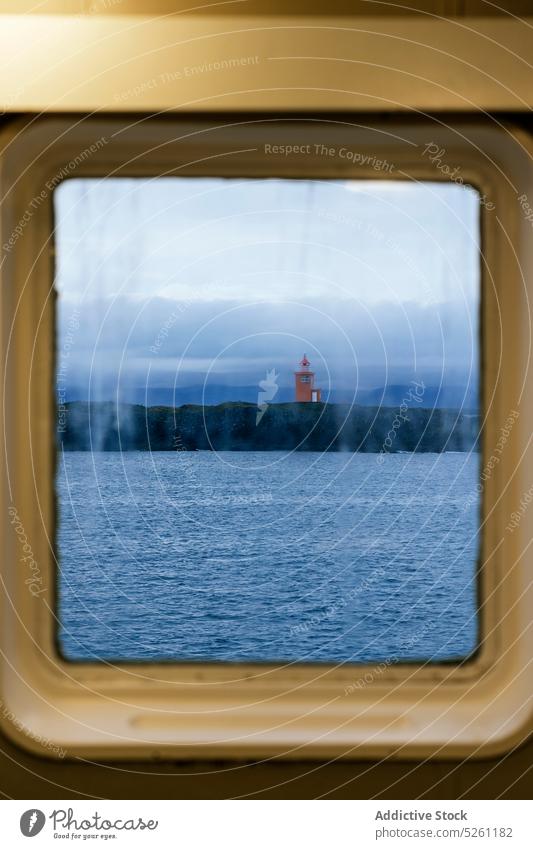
[305, 382]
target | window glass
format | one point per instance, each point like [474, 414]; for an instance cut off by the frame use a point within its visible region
[205, 510]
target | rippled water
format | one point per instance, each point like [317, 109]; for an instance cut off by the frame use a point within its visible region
[267, 556]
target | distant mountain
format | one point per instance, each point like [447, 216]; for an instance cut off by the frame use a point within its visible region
[445, 397]
[442, 397]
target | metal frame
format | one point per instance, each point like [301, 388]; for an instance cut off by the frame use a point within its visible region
[475, 708]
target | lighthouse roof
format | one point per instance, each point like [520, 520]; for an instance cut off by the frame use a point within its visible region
[304, 362]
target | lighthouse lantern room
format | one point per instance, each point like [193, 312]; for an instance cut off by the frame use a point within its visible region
[305, 382]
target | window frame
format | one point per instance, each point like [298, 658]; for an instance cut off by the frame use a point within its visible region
[474, 708]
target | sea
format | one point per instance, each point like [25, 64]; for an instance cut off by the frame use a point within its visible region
[267, 556]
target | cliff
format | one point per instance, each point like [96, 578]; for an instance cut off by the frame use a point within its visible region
[105, 426]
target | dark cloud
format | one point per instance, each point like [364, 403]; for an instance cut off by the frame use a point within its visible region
[166, 342]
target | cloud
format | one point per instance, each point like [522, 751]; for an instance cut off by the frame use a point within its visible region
[166, 342]
[183, 279]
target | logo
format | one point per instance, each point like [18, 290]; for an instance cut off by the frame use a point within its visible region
[32, 822]
[269, 389]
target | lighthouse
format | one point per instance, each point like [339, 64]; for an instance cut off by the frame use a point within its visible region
[305, 382]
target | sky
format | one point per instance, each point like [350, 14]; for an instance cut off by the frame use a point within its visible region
[176, 282]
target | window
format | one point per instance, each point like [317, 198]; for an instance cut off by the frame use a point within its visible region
[186, 462]
[467, 700]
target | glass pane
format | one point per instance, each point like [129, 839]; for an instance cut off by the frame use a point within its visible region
[268, 413]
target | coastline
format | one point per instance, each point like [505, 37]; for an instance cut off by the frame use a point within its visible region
[233, 426]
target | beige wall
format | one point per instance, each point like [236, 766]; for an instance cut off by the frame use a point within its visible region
[25, 776]
[450, 8]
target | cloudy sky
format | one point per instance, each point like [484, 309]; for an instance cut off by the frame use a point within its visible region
[196, 281]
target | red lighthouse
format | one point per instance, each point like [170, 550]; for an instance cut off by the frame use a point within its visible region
[305, 382]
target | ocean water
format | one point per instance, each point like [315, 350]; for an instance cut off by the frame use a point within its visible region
[267, 556]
